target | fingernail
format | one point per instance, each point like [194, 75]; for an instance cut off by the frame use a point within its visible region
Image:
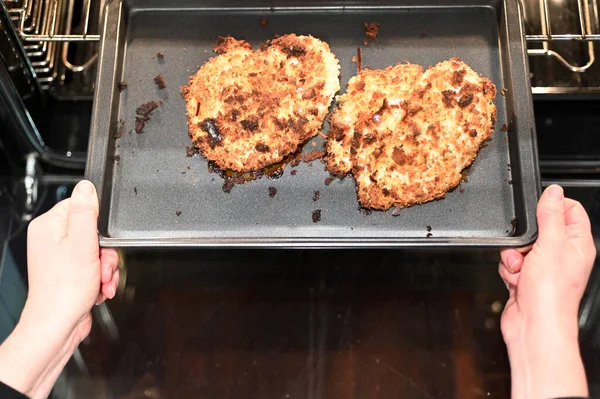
[84, 188]
[555, 193]
[111, 292]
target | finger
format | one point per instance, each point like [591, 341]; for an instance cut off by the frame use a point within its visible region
[551, 217]
[575, 215]
[579, 229]
[512, 259]
[109, 259]
[100, 298]
[106, 272]
[110, 256]
[83, 216]
[110, 290]
[512, 279]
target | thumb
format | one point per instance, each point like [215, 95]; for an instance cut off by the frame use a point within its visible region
[83, 214]
[551, 216]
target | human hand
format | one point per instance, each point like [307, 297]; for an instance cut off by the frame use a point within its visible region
[546, 283]
[68, 273]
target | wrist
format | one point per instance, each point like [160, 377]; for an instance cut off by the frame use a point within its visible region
[56, 325]
[546, 362]
[35, 349]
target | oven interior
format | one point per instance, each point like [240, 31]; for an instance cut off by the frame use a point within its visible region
[308, 315]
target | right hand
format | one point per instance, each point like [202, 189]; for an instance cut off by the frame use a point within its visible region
[546, 283]
[548, 279]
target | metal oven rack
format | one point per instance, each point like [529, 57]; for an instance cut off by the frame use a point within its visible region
[47, 28]
[564, 32]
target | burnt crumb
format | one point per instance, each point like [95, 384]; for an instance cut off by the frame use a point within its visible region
[272, 192]
[399, 156]
[260, 147]
[510, 182]
[226, 43]
[513, 224]
[116, 158]
[312, 155]
[228, 185]
[135, 190]
[503, 92]
[458, 77]
[504, 128]
[264, 22]
[160, 81]
[461, 190]
[372, 30]
[121, 129]
[359, 59]
[209, 126]
[396, 212]
[294, 50]
[316, 196]
[316, 216]
[329, 180]
[448, 98]
[190, 151]
[188, 167]
[465, 101]
[250, 124]
[178, 213]
[365, 211]
[183, 173]
[122, 85]
[140, 123]
[295, 160]
[429, 235]
[428, 228]
[160, 56]
[234, 114]
[293, 172]
[146, 108]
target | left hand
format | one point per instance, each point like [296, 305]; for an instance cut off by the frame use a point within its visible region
[68, 272]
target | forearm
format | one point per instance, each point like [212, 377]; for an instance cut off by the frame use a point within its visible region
[33, 354]
[546, 362]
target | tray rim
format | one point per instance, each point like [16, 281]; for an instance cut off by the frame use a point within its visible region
[109, 55]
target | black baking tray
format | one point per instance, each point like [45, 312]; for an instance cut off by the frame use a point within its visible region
[149, 196]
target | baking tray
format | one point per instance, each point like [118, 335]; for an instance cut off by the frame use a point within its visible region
[149, 197]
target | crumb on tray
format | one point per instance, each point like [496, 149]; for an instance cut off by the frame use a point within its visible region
[160, 81]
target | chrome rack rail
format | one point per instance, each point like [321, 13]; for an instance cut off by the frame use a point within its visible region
[45, 29]
[587, 14]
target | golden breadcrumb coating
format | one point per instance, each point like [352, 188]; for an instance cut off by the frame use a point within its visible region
[249, 109]
[406, 136]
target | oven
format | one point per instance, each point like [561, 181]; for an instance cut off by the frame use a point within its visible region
[282, 323]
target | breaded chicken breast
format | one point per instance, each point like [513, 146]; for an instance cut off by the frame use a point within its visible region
[249, 109]
[412, 139]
